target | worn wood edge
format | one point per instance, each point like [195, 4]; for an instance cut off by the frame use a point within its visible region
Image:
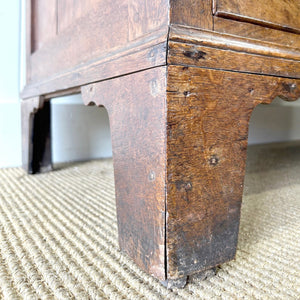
[141, 57]
[256, 32]
[179, 33]
[289, 91]
[251, 20]
[220, 59]
[50, 49]
[60, 93]
[33, 104]
[257, 14]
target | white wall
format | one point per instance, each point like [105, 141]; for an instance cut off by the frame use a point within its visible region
[275, 122]
[80, 132]
[10, 134]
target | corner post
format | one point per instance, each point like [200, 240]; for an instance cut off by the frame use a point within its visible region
[208, 113]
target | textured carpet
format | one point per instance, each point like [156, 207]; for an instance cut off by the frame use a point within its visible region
[58, 236]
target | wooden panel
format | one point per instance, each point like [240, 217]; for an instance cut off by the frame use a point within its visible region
[139, 57]
[209, 57]
[143, 16]
[157, 14]
[208, 117]
[96, 35]
[71, 10]
[257, 32]
[79, 42]
[137, 18]
[44, 22]
[136, 108]
[195, 13]
[283, 14]
[146, 16]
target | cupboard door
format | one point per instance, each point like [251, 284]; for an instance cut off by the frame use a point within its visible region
[281, 14]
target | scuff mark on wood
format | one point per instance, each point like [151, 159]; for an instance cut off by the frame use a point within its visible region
[289, 87]
[196, 55]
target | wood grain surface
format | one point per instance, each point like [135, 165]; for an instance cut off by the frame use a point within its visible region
[258, 32]
[179, 97]
[213, 58]
[70, 11]
[270, 13]
[89, 33]
[226, 41]
[194, 13]
[208, 114]
[43, 21]
[140, 56]
[85, 50]
[137, 113]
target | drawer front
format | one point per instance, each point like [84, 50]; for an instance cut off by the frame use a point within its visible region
[280, 14]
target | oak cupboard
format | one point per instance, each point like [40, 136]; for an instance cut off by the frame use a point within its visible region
[180, 80]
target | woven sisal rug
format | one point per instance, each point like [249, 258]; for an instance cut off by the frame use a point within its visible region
[58, 236]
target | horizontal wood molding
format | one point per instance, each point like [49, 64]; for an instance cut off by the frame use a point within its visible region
[226, 41]
[96, 33]
[219, 51]
[214, 58]
[140, 56]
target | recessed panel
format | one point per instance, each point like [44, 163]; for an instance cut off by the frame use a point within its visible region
[43, 22]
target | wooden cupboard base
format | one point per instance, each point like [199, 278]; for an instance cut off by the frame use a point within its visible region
[179, 137]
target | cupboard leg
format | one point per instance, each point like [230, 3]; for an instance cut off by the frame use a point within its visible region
[208, 113]
[36, 137]
[179, 137]
[136, 109]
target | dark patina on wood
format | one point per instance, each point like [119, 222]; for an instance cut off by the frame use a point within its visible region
[208, 113]
[36, 135]
[180, 80]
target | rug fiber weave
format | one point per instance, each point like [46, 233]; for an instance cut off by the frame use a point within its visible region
[58, 236]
